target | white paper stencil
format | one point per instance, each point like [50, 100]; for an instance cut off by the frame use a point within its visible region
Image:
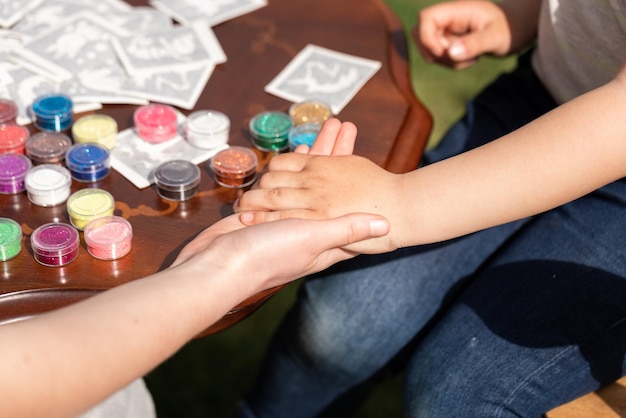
[210, 12]
[323, 74]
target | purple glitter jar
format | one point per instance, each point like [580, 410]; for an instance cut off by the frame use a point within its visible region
[13, 169]
[55, 244]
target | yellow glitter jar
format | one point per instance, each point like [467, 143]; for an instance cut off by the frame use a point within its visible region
[99, 129]
[86, 205]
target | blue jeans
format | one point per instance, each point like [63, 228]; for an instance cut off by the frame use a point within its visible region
[510, 321]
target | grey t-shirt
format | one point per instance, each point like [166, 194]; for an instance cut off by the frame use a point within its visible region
[581, 45]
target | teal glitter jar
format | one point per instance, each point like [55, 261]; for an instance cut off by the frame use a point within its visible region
[10, 239]
[270, 130]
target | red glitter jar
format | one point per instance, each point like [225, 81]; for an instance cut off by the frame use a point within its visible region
[13, 138]
[8, 111]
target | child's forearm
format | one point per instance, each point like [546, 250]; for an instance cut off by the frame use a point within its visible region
[561, 156]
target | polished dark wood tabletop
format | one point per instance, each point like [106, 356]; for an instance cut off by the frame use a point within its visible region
[393, 129]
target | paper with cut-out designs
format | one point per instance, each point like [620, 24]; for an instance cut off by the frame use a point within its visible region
[323, 74]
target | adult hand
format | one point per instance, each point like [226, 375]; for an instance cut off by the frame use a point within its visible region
[253, 258]
[456, 33]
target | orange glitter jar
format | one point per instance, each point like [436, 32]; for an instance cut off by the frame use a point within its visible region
[234, 167]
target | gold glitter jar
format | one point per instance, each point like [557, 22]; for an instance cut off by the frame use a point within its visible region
[310, 111]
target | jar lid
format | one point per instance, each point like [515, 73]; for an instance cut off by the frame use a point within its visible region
[155, 115]
[91, 128]
[13, 166]
[177, 175]
[13, 136]
[47, 146]
[47, 177]
[270, 125]
[8, 111]
[234, 162]
[156, 122]
[305, 133]
[310, 111]
[10, 238]
[90, 202]
[54, 238]
[107, 230]
[207, 122]
[87, 157]
[53, 107]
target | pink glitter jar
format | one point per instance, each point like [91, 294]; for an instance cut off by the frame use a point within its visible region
[13, 138]
[109, 238]
[156, 122]
[55, 244]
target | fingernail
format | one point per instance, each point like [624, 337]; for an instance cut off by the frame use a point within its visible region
[456, 50]
[236, 206]
[379, 227]
[246, 217]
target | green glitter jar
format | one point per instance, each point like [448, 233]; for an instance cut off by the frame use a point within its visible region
[270, 130]
[10, 239]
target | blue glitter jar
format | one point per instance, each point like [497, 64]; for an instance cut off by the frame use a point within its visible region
[88, 162]
[305, 133]
[52, 112]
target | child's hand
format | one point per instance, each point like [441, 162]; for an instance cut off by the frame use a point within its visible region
[322, 187]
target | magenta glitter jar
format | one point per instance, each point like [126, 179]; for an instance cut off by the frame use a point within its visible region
[13, 169]
[55, 244]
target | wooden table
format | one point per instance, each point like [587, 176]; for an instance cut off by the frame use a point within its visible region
[393, 129]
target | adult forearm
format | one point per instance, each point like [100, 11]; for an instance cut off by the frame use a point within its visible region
[561, 156]
[62, 363]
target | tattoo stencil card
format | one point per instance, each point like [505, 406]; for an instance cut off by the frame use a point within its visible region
[323, 74]
[209, 12]
[137, 159]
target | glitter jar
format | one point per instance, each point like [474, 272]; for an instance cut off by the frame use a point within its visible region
[53, 112]
[177, 180]
[305, 133]
[309, 111]
[8, 111]
[13, 169]
[88, 162]
[85, 205]
[109, 238]
[13, 138]
[48, 147]
[55, 244]
[156, 122]
[234, 167]
[207, 129]
[99, 129]
[269, 130]
[10, 239]
[48, 184]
